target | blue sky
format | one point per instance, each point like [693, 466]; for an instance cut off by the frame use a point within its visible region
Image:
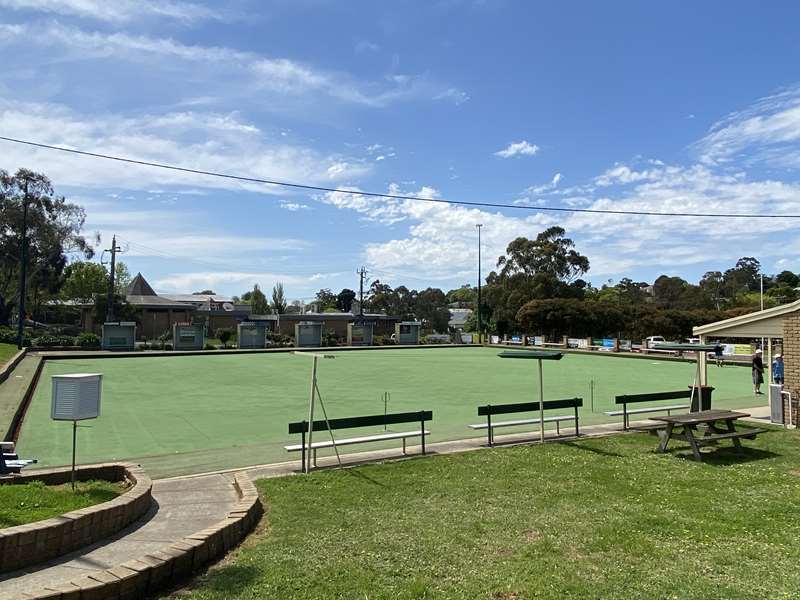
[680, 106]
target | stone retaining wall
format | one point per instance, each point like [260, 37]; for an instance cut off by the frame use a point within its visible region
[26, 545]
[146, 575]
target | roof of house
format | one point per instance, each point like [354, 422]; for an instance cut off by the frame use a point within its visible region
[140, 293]
[197, 298]
[762, 323]
[139, 287]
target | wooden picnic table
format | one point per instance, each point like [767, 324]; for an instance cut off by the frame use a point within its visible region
[717, 425]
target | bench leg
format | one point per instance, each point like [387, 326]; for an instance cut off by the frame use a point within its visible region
[689, 433]
[404, 446]
[315, 458]
[558, 431]
[423, 441]
[736, 442]
[664, 435]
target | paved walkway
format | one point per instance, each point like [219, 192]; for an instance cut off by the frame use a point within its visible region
[181, 507]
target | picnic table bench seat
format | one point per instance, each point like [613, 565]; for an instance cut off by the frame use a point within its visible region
[706, 424]
[503, 409]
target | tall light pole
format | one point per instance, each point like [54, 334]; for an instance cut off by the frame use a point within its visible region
[23, 268]
[480, 321]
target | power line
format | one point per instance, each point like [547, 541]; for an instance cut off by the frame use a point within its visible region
[317, 188]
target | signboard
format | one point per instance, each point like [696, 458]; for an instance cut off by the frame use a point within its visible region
[495, 339]
[577, 343]
[466, 338]
[538, 340]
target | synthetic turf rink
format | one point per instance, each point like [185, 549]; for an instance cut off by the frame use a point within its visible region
[188, 414]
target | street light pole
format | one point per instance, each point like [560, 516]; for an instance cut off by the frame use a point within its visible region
[23, 268]
[480, 320]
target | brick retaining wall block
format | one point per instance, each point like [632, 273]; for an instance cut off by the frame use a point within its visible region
[26, 545]
[146, 575]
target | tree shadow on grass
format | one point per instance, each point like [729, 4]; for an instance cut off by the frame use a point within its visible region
[591, 449]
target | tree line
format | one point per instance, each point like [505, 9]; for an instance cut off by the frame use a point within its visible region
[538, 285]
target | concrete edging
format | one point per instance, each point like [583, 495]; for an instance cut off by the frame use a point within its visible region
[150, 573]
[6, 371]
[27, 545]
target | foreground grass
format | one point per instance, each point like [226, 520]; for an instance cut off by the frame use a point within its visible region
[35, 501]
[7, 351]
[601, 518]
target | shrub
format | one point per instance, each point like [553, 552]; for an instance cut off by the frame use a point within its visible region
[329, 338]
[210, 347]
[87, 340]
[51, 341]
[224, 335]
[278, 339]
[167, 346]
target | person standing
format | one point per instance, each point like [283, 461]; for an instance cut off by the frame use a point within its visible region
[758, 373]
[777, 369]
[718, 353]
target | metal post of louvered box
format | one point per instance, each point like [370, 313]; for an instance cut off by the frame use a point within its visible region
[76, 397]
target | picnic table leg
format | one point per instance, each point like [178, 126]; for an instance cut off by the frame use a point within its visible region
[736, 442]
[689, 433]
[664, 434]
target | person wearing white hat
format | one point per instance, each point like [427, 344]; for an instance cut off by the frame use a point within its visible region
[777, 369]
[758, 373]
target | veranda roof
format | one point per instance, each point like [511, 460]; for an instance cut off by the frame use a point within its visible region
[761, 323]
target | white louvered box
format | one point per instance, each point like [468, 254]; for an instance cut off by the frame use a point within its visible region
[76, 396]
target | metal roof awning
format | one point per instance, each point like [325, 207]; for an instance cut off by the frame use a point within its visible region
[686, 347]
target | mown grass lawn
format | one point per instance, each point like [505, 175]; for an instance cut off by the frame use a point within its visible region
[596, 518]
[35, 501]
[7, 351]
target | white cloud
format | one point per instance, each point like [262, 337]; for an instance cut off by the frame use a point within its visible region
[294, 206]
[117, 11]
[197, 140]
[522, 148]
[458, 97]
[232, 280]
[768, 132]
[214, 68]
[542, 189]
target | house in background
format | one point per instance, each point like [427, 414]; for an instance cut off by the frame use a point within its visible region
[158, 313]
[458, 318]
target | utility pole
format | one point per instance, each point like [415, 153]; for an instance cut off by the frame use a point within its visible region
[23, 268]
[480, 321]
[110, 318]
[362, 275]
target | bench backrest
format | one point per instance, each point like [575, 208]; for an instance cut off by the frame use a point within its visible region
[366, 421]
[501, 409]
[632, 398]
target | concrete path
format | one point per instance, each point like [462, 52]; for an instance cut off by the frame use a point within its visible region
[181, 507]
[758, 414]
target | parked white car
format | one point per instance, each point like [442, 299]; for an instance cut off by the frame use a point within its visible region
[654, 340]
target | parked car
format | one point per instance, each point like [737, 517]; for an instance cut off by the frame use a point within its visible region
[654, 340]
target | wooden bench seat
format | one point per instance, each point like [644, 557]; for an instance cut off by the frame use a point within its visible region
[747, 434]
[627, 399]
[495, 424]
[361, 440]
[648, 409]
[302, 427]
[503, 409]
